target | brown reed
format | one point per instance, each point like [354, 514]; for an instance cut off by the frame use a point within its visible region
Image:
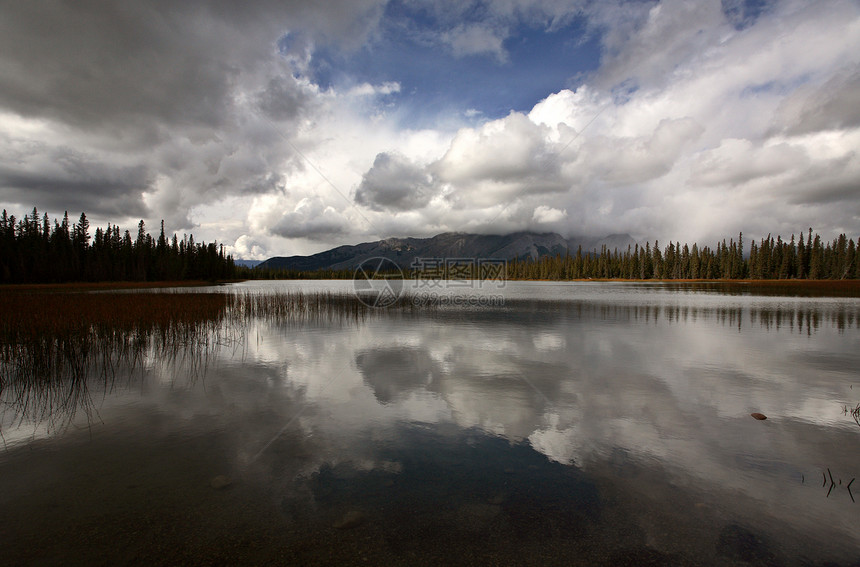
[55, 345]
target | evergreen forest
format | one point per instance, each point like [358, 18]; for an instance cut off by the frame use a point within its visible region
[34, 249]
[769, 259]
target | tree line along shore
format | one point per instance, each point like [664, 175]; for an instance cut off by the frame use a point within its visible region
[770, 259]
[35, 250]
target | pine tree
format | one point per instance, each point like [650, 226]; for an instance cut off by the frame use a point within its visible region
[816, 259]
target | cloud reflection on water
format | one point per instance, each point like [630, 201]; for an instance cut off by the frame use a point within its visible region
[647, 399]
[665, 388]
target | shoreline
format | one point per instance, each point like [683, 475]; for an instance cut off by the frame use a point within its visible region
[846, 285]
[787, 283]
[93, 286]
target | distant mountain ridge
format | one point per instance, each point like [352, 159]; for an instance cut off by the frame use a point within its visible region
[449, 245]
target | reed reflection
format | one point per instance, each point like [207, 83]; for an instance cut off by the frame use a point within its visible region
[57, 348]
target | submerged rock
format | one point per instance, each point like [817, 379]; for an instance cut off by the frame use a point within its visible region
[351, 519]
[497, 499]
[220, 482]
[758, 415]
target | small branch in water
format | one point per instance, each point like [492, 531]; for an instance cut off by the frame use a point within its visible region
[833, 483]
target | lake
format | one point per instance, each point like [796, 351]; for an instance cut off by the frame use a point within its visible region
[520, 423]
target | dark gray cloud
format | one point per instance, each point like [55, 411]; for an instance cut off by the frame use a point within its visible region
[58, 178]
[835, 105]
[310, 219]
[172, 104]
[285, 99]
[136, 65]
[395, 183]
[111, 200]
[829, 182]
[129, 66]
[293, 226]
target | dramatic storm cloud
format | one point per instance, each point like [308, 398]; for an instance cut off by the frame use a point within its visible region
[284, 128]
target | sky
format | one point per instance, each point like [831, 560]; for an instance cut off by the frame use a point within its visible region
[293, 126]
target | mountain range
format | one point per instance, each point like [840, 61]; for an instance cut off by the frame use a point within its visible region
[448, 245]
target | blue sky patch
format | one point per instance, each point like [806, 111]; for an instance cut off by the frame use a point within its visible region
[436, 82]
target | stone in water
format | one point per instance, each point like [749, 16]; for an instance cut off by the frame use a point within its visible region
[350, 520]
[220, 481]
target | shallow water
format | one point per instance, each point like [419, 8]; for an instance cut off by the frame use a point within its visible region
[587, 423]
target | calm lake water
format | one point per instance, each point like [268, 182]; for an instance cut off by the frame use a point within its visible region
[535, 423]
